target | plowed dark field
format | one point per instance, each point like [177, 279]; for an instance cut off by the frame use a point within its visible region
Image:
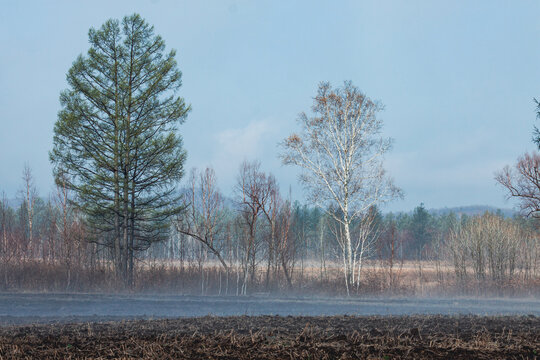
[275, 337]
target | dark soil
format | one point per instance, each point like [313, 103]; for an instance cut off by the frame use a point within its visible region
[275, 337]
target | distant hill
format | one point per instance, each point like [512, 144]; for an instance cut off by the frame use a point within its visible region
[13, 202]
[469, 210]
[472, 210]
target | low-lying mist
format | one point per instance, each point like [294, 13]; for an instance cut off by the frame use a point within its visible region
[34, 307]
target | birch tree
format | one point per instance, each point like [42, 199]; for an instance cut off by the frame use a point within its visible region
[340, 151]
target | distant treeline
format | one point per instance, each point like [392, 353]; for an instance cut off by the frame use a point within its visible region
[46, 245]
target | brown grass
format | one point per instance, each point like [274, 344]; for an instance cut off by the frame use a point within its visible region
[413, 278]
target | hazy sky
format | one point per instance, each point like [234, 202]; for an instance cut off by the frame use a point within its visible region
[457, 79]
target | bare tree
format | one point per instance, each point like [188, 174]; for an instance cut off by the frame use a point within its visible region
[50, 251]
[321, 230]
[65, 225]
[270, 201]
[203, 218]
[457, 245]
[489, 243]
[280, 251]
[8, 246]
[252, 186]
[340, 152]
[388, 248]
[523, 183]
[285, 246]
[29, 194]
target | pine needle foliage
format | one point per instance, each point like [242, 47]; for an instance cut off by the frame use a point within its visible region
[116, 141]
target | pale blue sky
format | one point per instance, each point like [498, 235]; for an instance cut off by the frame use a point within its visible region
[457, 79]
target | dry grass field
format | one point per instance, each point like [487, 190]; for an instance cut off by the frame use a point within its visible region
[409, 278]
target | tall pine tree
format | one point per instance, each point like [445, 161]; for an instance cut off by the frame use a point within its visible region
[116, 142]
